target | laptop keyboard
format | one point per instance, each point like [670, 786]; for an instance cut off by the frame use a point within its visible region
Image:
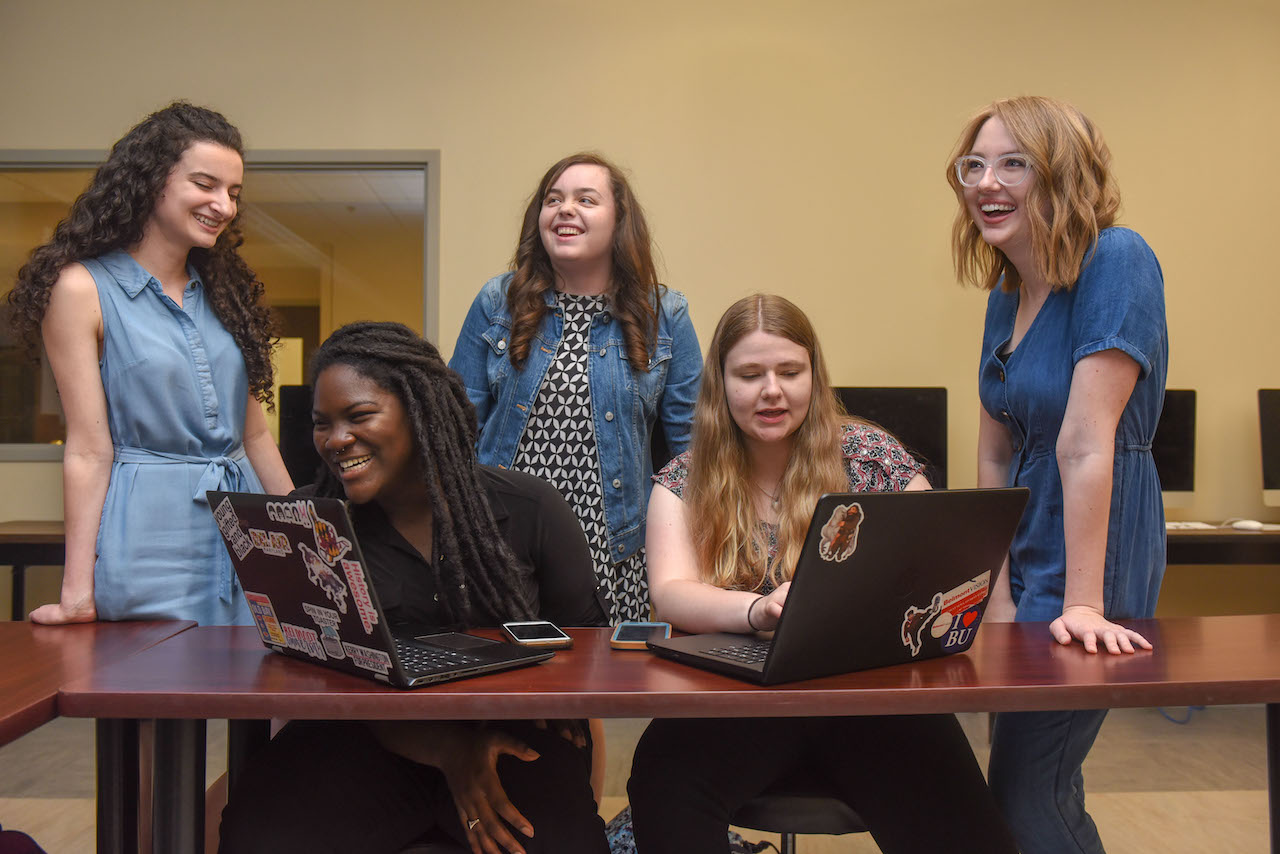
[753, 651]
[418, 658]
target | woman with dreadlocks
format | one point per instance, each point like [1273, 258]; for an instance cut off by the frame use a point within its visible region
[160, 345]
[449, 543]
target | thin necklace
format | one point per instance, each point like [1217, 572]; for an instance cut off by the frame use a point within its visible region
[772, 496]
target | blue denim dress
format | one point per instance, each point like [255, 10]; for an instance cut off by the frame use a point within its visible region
[176, 391]
[1116, 304]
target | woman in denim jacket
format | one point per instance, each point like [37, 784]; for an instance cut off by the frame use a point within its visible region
[571, 358]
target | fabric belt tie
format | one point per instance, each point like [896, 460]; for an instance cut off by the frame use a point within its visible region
[220, 473]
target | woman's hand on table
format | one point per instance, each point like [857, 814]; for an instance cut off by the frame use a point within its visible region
[60, 613]
[1087, 625]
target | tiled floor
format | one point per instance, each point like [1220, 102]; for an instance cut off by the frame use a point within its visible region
[1154, 786]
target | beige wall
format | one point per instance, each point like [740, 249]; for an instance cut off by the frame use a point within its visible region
[793, 147]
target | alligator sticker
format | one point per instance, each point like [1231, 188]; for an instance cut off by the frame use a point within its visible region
[264, 617]
[324, 578]
[840, 534]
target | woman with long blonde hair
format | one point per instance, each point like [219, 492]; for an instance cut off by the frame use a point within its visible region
[726, 522]
[1074, 353]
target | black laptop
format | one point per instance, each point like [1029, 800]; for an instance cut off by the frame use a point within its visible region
[309, 591]
[883, 578]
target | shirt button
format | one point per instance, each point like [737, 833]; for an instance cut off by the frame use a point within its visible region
[617, 483]
[1004, 414]
[608, 416]
[621, 549]
[1002, 376]
[602, 351]
[435, 597]
[502, 345]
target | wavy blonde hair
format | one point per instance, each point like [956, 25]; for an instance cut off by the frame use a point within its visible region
[731, 544]
[1073, 198]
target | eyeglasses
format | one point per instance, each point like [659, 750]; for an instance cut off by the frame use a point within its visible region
[1011, 169]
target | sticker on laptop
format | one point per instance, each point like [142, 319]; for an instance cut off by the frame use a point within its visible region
[325, 578]
[327, 622]
[264, 617]
[370, 659]
[229, 525]
[273, 543]
[840, 534]
[914, 621]
[955, 615]
[330, 546]
[303, 640]
[360, 595]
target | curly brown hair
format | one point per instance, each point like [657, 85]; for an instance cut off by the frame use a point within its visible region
[634, 285]
[111, 214]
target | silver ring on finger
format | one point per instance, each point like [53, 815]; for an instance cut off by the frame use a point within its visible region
[472, 822]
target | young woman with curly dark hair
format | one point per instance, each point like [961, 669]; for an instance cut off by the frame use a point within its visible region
[576, 355]
[161, 348]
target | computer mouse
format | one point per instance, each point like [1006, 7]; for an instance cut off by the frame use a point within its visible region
[1247, 525]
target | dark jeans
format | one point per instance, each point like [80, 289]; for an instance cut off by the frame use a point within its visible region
[330, 786]
[912, 779]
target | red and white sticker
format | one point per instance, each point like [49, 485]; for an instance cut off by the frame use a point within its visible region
[303, 640]
[360, 594]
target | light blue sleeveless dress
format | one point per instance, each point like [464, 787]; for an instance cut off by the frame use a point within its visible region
[176, 390]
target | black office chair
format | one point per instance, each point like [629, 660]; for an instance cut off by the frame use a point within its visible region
[797, 805]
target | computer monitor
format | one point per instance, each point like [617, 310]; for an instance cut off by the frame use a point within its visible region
[916, 415]
[1174, 447]
[1269, 430]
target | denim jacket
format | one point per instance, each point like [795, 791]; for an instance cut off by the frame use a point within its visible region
[625, 403]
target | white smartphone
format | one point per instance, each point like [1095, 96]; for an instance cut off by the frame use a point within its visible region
[634, 635]
[537, 633]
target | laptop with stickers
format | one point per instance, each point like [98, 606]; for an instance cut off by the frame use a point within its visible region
[883, 578]
[308, 588]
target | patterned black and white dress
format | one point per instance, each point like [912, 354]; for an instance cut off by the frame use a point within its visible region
[559, 446]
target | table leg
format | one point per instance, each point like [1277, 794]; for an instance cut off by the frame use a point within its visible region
[18, 605]
[177, 817]
[1273, 772]
[244, 739]
[117, 748]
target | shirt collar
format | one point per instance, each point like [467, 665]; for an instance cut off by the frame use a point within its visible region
[133, 277]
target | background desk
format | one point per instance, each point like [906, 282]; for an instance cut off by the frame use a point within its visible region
[1223, 546]
[24, 544]
[225, 672]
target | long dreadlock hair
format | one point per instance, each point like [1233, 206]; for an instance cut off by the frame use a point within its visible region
[478, 580]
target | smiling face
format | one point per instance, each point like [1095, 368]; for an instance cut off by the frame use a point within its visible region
[362, 433]
[1000, 212]
[200, 197]
[768, 381]
[578, 217]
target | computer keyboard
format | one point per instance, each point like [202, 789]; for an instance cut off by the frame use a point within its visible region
[419, 658]
[753, 651]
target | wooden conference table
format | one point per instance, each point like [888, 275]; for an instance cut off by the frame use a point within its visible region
[225, 673]
[38, 660]
[23, 544]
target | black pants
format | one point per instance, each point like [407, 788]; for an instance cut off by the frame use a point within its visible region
[330, 786]
[912, 779]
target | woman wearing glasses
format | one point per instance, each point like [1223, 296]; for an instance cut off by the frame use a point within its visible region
[1071, 382]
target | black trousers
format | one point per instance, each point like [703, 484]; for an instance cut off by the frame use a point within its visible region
[912, 779]
[322, 786]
